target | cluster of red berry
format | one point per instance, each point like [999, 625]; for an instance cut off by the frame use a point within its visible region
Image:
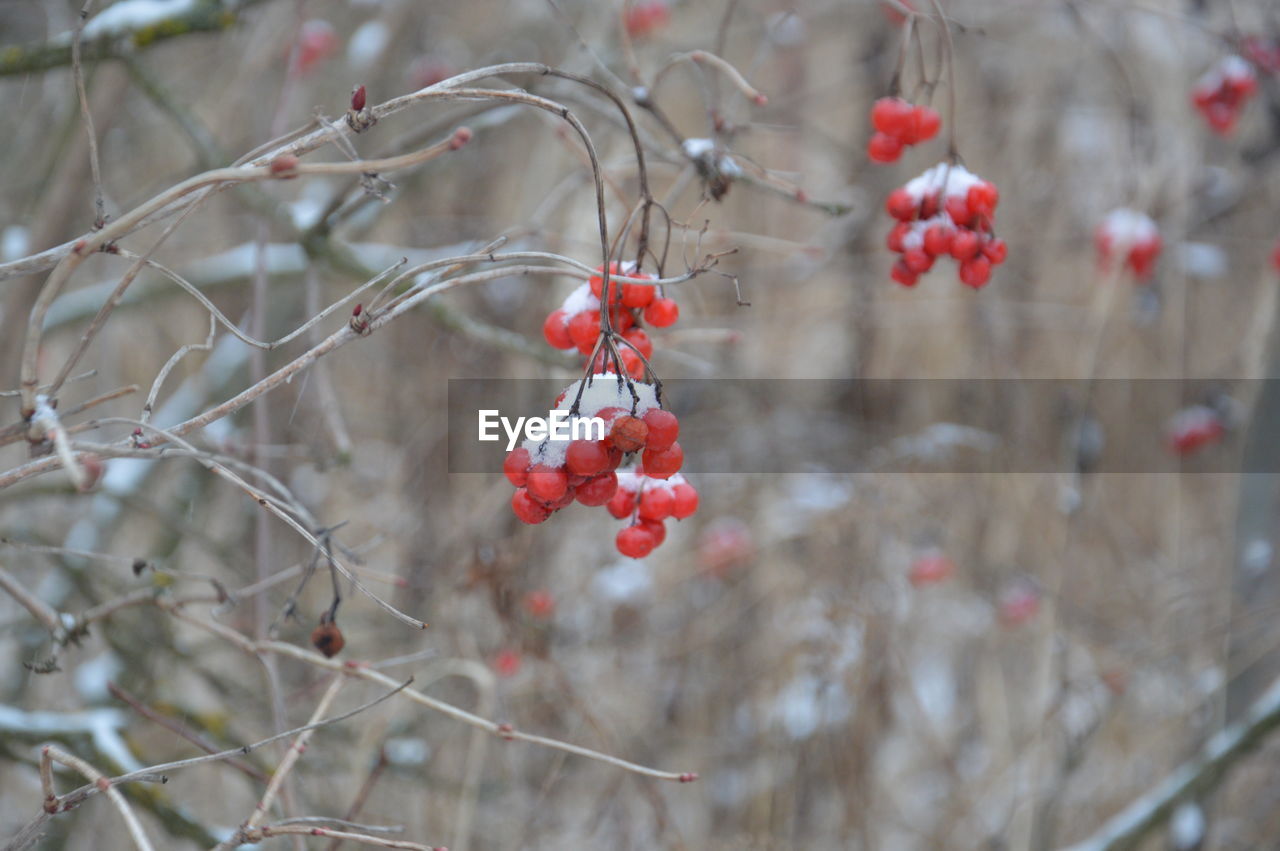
[648, 500]
[550, 474]
[576, 322]
[948, 210]
[1131, 237]
[645, 17]
[1263, 52]
[1222, 92]
[900, 124]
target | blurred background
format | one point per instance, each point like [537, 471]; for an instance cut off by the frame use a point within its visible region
[942, 654]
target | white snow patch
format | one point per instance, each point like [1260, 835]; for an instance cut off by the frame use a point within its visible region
[626, 582]
[91, 678]
[404, 750]
[952, 180]
[602, 390]
[1186, 828]
[695, 148]
[15, 242]
[367, 43]
[1202, 260]
[133, 15]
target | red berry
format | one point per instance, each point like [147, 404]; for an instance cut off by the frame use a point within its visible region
[959, 211]
[628, 433]
[929, 568]
[644, 17]
[982, 198]
[975, 272]
[655, 504]
[903, 275]
[883, 148]
[662, 312]
[664, 464]
[964, 245]
[894, 240]
[587, 457]
[598, 490]
[317, 39]
[684, 501]
[995, 250]
[637, 295]
[528, 509]
[635, 541]
[901, 205]
[516, 466]
[664, 428]
[937, 240]
[621, 319]
[556, 331]
[657, 529]
[539, 604]
[638, 338]
[926, 123]
[584, 328]
[507, 663]
[917, 261]
[622, 503]
[892, 116]
[547, 484]
[596, 282]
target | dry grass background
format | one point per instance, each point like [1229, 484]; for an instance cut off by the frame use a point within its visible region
[824, 701]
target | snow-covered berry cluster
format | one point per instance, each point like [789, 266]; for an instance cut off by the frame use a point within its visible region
[1222, 91]
[551, 474]
[898, 125]
[947, 211]
[576, 322]
[1194, 428]
[1131, 239]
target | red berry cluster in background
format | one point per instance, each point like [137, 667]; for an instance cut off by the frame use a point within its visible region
[1275, 255]
[947, 211]
[900, 124]
[317, 41]
[551, 474]
[647, 500]
[1194, 428]
[1263, 52]
[1130, 238]
[1222, 92]
[930, 567]
[576, 323]
[645, 17]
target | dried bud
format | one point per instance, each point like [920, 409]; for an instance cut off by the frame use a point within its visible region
[284, 166]
[357, 98]
[327, 638]
[628, 434]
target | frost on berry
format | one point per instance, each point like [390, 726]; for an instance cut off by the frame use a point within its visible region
[1194, 428]
[946, 212]
[1221, 93]
[1131, 239]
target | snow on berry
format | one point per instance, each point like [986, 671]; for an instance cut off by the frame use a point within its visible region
[1130, 238]
[1194, 428]
[929, 567]
[1222, 91]
[947, 211]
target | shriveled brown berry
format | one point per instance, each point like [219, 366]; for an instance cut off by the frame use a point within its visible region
[327, 638]
[628, 434]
